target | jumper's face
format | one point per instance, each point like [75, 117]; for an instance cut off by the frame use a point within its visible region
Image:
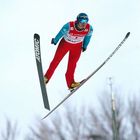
[82, 25]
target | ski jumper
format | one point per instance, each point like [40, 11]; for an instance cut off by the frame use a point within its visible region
[72, 41]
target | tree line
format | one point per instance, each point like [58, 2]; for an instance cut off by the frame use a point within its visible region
[84, 123]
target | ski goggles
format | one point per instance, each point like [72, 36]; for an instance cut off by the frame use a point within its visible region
[83, 21]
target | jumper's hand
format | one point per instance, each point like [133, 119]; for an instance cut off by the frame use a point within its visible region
[83, 49]
[53, 41]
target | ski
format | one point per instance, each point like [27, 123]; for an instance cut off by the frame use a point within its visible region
[40, 70]
[88, 77]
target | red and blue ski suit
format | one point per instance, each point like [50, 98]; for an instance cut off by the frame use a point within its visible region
[72, 41]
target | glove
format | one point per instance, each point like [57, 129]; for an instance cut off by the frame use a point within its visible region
[53, 41]
[83, 49]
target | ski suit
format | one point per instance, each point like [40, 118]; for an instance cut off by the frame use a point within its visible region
[72, 41]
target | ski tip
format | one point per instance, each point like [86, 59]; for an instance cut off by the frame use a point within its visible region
[36, 35]
[127, 35]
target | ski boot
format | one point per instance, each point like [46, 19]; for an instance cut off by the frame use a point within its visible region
[46, 80]
[74, 85]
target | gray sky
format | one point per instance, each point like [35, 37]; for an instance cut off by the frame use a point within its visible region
[20, 95]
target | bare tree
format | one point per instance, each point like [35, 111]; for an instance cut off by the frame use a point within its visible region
[76, 122]
[101, 119]
[85, 123]
[134, 111]
[82, 124]
[66, 126]
[11, 131]
[92, 123]
[41, 131]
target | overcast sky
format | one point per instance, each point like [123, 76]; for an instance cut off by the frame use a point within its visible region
[20, 95]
